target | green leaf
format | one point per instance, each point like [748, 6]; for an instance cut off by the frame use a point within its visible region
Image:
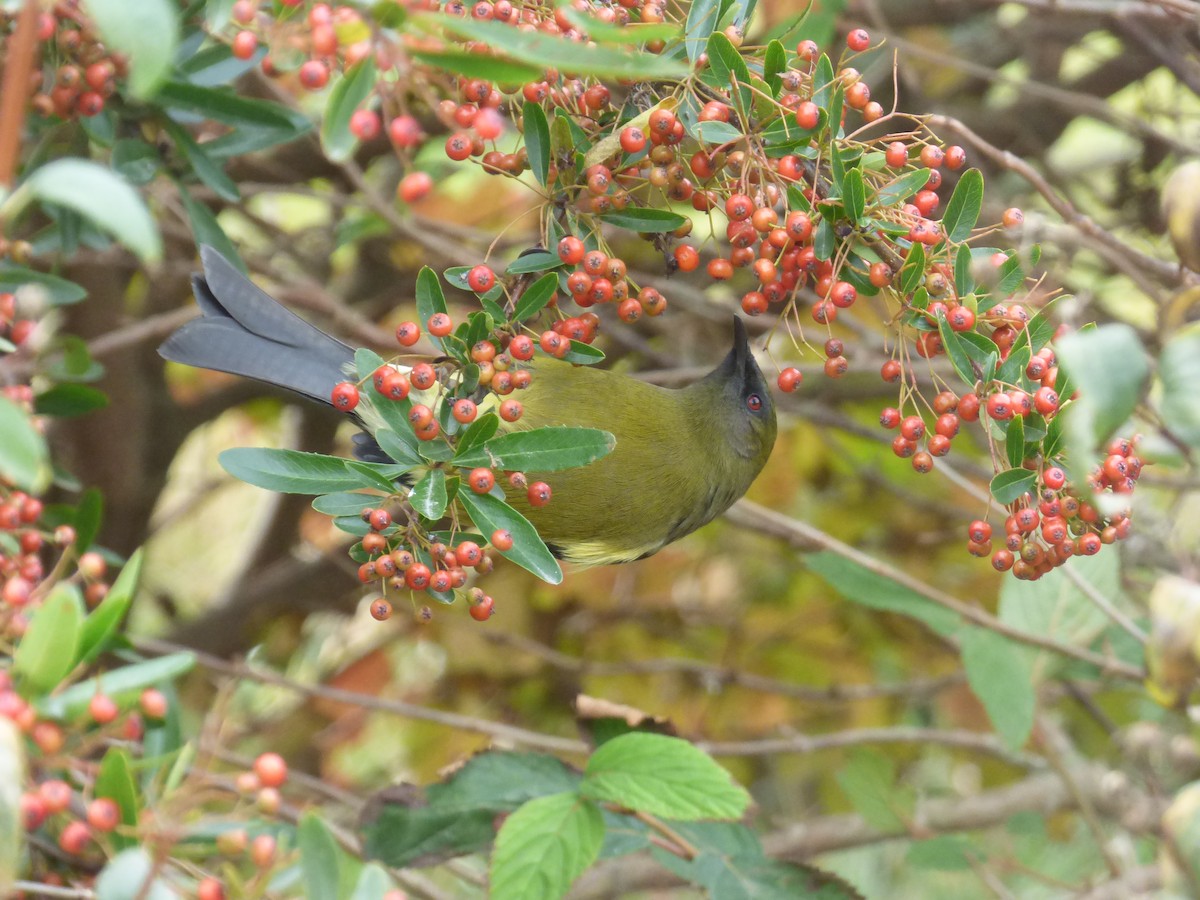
[725, 62]
[546, 51]
[716, 132]
[644, 219]
[1109, 367]
[1011, 484]
[49, 649]
[854, 195]
[529, 551]
[962, 211]
[349, 503]
[319, 857]
[608, 33]
[115, 781]
[104, 622]
[130, 876]
[430, 300]
[136, 161]
[56, 291]
[663, 776]
[207, 169]
[347, 96]
[774, 62]
[902, 187]
[405, 452]
[956, 350]
[501, 780]
[88, 515]
[479, 431]
[1014, 441]
[998, 672]
[147, 32]
[1179, 370]
[98, 194]
[964, 281]
[373, 883]
[207, 230]
[69, 400]
[215, 65]
[429, 495]
[701, 22]
[823, 82]
[913, 270]
[535, 298]
[533, 261]
[289, 471]
[549, 449]
[537, 141]
[227, 106]
[581, 354]
[869, 782]
[476, 65]
[122, 684]
[544, 846]
[1010, 275]
[855, 582]
[373, 475]
[945, 853]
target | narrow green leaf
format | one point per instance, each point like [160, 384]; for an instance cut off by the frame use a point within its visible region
[857, 583]
[55, 291]
[956, 351]
[823, 82]
[701, 22]
[549, 449]
[913, 270]
[207, 169]
[1014, 441]
[998, 672]
[1010, 274]
[430, 300]
[429, 495]
[544, 846]
[535, 261]
[854, 195]
[529, 551]
[345, 503]
[320, 858]
[289, 471]
[902, 187]
[537, 141]
[644, 219]
[115, 781]
[66, 400]
[774, 62]
[207, 230]
[581, 354]
[98, 194]
[147, 32]
[477, 65]
[89, 513]
[122, 684]
[227, 106]
[962, 211]
[49, 649]
[608, 33]
[964, 281]
[535, 298]
[136, 161]
[726, 62]
[1009, 485]
[372, 475]
[405, 452]
[104, 622]
[347, 96]
[664, 776]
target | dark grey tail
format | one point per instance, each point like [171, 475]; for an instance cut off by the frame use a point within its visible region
[244, 331]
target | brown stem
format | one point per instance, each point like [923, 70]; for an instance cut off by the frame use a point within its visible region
[14, 90]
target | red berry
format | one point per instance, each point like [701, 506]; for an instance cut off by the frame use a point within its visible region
[408, 333]
[459, 146]
[1012, 217]
[571, 250]
[271, 769]
[481, 480]
[633, 139]
[103, 814]
[891, 371]
[365, 124]
[244, 44]
[539, 493]
[808, 115]
[483, 609]
[423, 376]
[502, 540]
[154, 705]
[345, 396]
[889, 417]
[961, 319]
[481, 279]
[789, 379]
[414, 186]
[210, 888]
[1002, 560]
[56, 795]
[405, 131]
[464, 410]
[913, 428]
[1045, 400]
[314, 74]
[521, 347]
[999, 407]
[440, 324]
[103, 709]
[417, 576]
[858, 40]
[262, 851]
[979, 531]
[75, 837]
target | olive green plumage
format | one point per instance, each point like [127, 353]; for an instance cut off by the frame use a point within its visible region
[682, 456]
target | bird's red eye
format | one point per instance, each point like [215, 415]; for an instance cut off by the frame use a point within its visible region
[754, 403]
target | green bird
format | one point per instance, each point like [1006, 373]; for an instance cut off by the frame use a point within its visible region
[682, 456]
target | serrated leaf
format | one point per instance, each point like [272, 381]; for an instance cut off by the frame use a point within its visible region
[429, 495]
[1011, 484]
[347, 96]
[644, 219]
[103, 622]
[663, 776]
[124, 683]
[537, 141]
[535, 298]
[962, 210]
[998, 672]
[869, 782]
[147, 32]
[528, 551]
[49, 649]
[549, 449]
[544, 846]
[857, 583]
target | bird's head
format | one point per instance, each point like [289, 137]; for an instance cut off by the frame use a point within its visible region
[735, 399]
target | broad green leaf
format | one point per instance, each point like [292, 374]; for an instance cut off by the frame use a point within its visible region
[1010, 275]
[98, 194]
[726, 62]
[716, 132]
[208, 170]
[12, 822]
[65, 400]
[663, 776]
[1179, 369]
[944, 853]
[544, 846]
[289, 471]
[533, 261]
[429, 495]
[857, 583]
[1014, 441]
[49, 649]
[89, 513]
[215, 65]
[999, 673]
[529, 551]
[701, 22]
[115, 781]
[136, 161]
[549, 449]
[54, 290]
[962, 210]
[347, 96]
[501, 780]
[869, 782]
[125, 683]
[103, 622]
[405, 453]
[535, 298]
[407, 831]
[644, 219]
[479, 431]
[430, 300]
[1011, 484]
[477, 65]
[774, 62]
[147, 32]
[372, 475]
[130, 876]
[823, 82]
[537, 140]
[548, 51]
[319, 857]
[854, 195]
[902, 187]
